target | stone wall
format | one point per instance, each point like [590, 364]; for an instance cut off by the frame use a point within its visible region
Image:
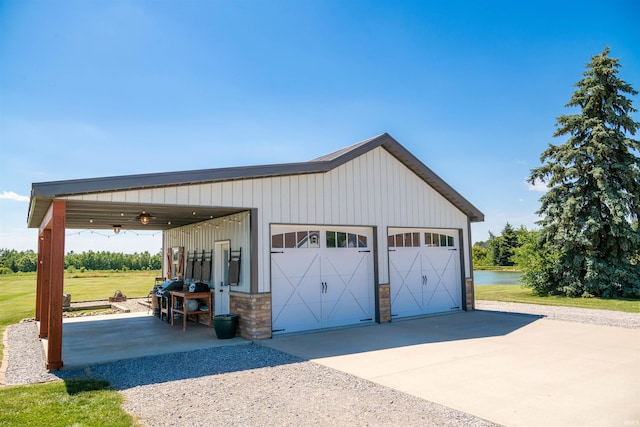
[384, 302]
[255, 314]
[470, 294]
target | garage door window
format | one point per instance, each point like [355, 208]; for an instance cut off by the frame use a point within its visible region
[296, 240]
[436, 239]
[404, 240]
[339, 239]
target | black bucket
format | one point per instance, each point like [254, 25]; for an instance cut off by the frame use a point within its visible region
[225, 325]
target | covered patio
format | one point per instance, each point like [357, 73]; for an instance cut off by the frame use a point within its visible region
[53, 216]
[94, 340]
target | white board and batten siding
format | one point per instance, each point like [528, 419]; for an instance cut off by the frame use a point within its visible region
[202, 236]
[374, 189]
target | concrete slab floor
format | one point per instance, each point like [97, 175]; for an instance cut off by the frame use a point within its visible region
[514, 370]
[93, 340]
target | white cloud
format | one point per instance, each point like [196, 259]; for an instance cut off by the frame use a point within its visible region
[538, 185]
[10, 195]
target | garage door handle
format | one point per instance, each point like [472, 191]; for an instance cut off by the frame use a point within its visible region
[324, 287]
[424, 280]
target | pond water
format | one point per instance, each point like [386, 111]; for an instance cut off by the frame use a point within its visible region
[482, 277]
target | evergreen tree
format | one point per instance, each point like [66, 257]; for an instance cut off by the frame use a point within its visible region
[588, 242]
[502, 246]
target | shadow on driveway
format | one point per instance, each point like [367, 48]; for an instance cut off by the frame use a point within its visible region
[401, 333]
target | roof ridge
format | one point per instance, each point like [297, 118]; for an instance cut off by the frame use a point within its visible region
[334, 155]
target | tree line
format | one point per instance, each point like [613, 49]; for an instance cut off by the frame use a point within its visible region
[12, 261]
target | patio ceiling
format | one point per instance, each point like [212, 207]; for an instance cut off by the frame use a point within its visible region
[102, 215]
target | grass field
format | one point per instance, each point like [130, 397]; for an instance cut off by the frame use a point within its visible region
[515, 293]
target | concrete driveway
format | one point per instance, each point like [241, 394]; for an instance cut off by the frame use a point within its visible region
[511, 369]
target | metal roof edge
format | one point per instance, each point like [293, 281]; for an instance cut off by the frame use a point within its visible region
[414, 164]
[152, 180]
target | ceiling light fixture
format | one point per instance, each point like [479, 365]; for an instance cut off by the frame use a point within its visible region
[144, 218]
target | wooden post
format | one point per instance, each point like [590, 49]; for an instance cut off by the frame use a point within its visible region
[39, 278]
[44, 279]
[56, 285]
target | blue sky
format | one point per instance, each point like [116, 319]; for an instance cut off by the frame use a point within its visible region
[109, 87]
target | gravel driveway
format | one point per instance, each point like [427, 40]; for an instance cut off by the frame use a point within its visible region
[259, 386]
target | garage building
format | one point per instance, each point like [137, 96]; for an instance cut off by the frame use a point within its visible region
[365, 234]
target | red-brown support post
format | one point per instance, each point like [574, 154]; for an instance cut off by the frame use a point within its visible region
[56, 285]
[44, 279]
[39, 278]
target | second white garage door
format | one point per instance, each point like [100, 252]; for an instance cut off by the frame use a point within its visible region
[424, 270]
[321, 277]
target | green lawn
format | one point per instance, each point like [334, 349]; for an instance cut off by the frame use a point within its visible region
[63, 403]
[515, 293]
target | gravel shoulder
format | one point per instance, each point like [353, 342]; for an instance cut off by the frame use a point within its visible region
[568, 314]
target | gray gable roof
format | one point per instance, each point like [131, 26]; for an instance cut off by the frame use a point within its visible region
[43, 192]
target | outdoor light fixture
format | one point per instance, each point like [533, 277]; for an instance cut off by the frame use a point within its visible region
[116, 229]
[144, 218]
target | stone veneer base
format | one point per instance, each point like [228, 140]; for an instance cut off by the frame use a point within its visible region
[384, 302]
[255, 314]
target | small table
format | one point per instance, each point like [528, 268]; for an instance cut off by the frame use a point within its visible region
[208, 296]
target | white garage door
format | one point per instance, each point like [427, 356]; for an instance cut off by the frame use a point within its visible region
[321, 277]
[424, 270]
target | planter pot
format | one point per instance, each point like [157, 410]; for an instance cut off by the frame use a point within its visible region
[225, 325]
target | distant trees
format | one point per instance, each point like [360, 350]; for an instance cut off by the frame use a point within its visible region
[481, 255]
[589, 244]
[500, 250]
[12, 261]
